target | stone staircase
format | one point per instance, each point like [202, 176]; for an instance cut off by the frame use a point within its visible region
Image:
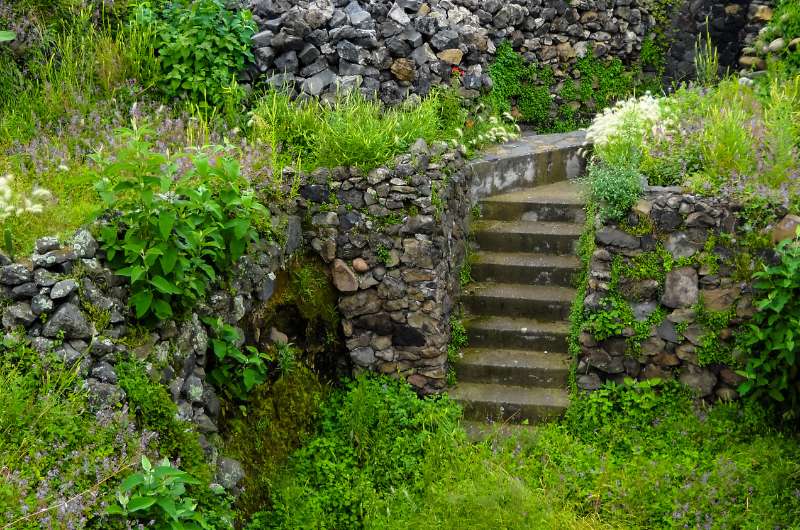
[517, 366]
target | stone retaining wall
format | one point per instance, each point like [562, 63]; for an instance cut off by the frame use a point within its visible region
[409, 46]
[395, 240]
[65, 299]
[393, 48]
[692, 241]
[732, 26]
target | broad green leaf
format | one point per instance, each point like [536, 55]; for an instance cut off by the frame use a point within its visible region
[169, 259]
[162, 309]
[166, 220]
[132, 481]
[168, 505]
[251, 378]
[6, 36]
[141, 302]
[140, 503]
[164, 285]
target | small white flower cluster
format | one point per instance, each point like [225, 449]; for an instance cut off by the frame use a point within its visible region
[634, 116]
[499, 132]
[12, 204]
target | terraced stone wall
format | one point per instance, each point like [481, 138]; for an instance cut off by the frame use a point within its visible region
[409, 46]
[666, 292]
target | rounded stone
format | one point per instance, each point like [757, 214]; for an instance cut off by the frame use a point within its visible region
[360, 265]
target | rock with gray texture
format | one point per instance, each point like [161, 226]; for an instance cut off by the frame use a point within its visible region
[69, 321]
[229, 473]
[681, 288]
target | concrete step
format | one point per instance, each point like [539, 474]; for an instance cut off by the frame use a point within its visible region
[517, 333]
[561, 201]
[481, 431]
[513, 367]
[544, 302]
[526, 236]
[511, 403]
[520, 267]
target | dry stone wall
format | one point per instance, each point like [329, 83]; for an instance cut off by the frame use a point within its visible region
[395, 240]
[689, 284]
[733, 27]
[409, 46]
[394, 48]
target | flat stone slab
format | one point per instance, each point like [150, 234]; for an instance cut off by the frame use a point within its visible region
[531, 160]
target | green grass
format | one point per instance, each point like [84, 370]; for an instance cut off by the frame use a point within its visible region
[355, 131]
[637, 456]
[52, 447]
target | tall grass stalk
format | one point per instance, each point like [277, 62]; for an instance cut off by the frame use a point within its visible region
[706, 59]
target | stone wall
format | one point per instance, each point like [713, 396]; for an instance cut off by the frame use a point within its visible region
[395, 240]
[66, 300]
[393, 48]
[732, 26]
[691, 241]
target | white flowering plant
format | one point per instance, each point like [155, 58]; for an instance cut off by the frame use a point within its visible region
[13, 204]
[619, 133]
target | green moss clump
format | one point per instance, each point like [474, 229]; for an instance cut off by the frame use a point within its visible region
[278, 418]
[155, 411]
[712, 348]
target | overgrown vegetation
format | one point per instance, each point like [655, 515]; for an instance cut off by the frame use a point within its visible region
[355, 131]
[627, 456]
[176, 233]
[62, 463]
[527, 90]
[773, 368]
[278, 419]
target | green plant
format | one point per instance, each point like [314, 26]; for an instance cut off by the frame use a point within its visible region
[382, 253]
[237, 372]
[286, 357]
[279, 417]
[350, 131]
[458, 341]
[371, 438]
[615, 188]
[7, 36]
[771, 339]
[612, 318]
[154, 410]
[202, 46]
[175, 234]
[158, 494]
[53, 449]
[706, 59]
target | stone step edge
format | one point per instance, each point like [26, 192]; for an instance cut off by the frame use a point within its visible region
[553, 398]
[533, 293]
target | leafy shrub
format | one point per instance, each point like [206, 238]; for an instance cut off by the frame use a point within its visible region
[236, 371]
[202, 46]
[614, 188]
[635, 455]
[372, 437]
[773, 367]
[610, 320]
[174, 234]
[157, 494]
[633, 402]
